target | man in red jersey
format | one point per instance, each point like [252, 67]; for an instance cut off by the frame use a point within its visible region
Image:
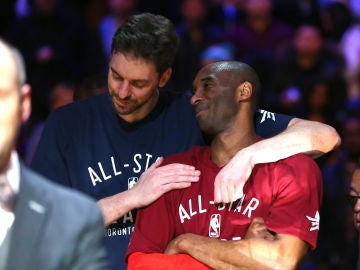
[285, 194]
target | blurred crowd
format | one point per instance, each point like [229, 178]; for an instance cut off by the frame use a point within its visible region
[307, 53]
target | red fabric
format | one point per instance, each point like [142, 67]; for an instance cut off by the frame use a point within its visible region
[287, 194]
[159, 261]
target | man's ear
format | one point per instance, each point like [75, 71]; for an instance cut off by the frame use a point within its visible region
[25, 93]
[165, 77]
[244, 91]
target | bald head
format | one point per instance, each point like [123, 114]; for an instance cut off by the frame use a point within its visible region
[11, 59]
[225, 92]
[237, 73]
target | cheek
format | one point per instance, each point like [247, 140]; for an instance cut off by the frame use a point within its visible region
[9, 124]
[112, 85]
[142, 95]
[226, 107]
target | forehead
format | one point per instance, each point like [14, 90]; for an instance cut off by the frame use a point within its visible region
[7, 68]
[356, 177]
[216, 72]
[355, 181]
[131, 66]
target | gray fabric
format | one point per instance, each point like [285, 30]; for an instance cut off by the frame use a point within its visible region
[4, 250]
[55, 228]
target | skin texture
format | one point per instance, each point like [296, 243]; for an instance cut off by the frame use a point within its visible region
[14, 105]
[133, 86]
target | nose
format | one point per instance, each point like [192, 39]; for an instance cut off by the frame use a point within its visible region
[357, 206]
[195, 99]
[124, 90]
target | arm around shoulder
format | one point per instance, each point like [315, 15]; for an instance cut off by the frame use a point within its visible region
[301, 136]
[322, 137]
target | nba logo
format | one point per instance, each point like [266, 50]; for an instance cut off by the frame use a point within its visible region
[132, 181]
[214, 226]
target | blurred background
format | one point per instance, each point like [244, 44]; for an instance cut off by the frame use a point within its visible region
[307, 53]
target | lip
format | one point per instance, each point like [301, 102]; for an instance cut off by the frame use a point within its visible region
[122, 103]
[199, 113]
[357, 220]
[199, 110]
[357, 224]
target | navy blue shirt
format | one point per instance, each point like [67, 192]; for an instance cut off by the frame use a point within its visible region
[86, 146]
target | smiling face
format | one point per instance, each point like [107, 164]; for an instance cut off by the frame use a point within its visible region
[214, 99]
[133, 86]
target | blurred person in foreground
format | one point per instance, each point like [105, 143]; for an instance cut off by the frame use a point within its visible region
[43, 225]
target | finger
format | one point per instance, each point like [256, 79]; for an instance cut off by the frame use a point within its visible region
[258, 220]
[176, 171]
[221, 193]
[175, 185]
[177, 167]
[230, 190]
[217, 191]
[224, 198]
[156, 164]
[238, 192]
[179, 178]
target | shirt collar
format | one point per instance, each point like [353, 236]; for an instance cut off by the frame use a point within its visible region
[13, 172]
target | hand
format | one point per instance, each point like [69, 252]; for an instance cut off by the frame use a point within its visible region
[156, 181]
[258, 229]
[230, 181]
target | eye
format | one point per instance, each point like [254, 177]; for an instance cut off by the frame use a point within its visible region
[139, 84]
[117, 77]
[207, 85]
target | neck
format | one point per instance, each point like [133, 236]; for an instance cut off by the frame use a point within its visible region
[225, 145]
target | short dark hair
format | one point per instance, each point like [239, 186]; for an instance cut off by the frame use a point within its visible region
[147, 36]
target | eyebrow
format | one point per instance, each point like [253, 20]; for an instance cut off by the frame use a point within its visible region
[113, 70]
[202, 80]
[133, 81]
[208, 78]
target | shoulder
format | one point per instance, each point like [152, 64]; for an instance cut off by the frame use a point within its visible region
[84, 104]
[61, 199]
[300, 168]
[268, 124]
[299, 161]
[81, 111]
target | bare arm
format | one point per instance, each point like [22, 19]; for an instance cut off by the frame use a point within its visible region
[301, 136]
[153, 183]
[285, 252]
